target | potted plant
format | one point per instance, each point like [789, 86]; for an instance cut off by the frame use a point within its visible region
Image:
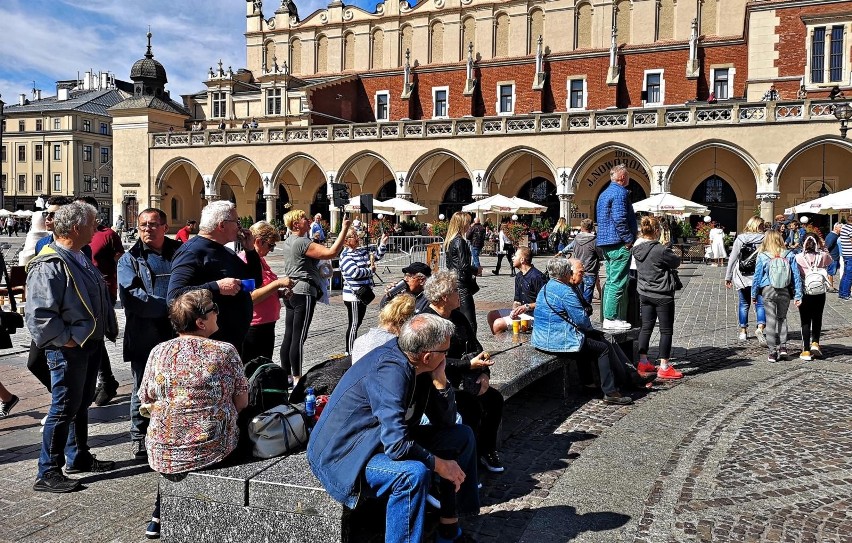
[439, 228]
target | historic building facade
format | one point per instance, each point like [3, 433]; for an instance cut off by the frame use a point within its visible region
[724, 102]
[62, 144]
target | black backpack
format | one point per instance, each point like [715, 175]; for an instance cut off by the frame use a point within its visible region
[267, 385]
[322, 378]
[748, 258]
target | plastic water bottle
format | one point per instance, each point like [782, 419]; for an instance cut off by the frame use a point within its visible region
[310, 402]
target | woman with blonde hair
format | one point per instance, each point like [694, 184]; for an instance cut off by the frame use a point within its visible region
[391, 318]
[459, 259]
[740, 273]
[260, 339]
[773, 277]
[559, 236]
[655, 280]
[301, 259]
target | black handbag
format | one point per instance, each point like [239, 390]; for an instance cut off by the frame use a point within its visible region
[678, 285]
[365, 294]
[10, 321]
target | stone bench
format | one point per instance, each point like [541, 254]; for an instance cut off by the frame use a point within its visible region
[280, 500]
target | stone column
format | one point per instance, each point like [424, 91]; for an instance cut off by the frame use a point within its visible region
[565, 201]
[334, 219]
[270, 207]
[156, 201]
[767, 205]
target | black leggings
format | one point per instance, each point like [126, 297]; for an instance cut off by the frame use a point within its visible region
[483, 414]
[467, 306]
[355, 310]
[298, 313]
[810, 313]
[259, 341]
[653, 309]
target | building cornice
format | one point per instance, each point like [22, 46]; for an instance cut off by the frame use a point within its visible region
[772, 6]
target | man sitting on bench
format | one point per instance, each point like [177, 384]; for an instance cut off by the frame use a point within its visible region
[527, 284]
[369, 440]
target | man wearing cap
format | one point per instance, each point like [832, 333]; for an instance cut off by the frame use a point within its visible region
[415, 277]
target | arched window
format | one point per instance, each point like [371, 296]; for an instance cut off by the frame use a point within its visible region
[501, 35]
[541, 191]
[295, 56]
[622, 21]
[377, 59]
[665, 19]
[457, 196]
[583, 26]
[349, 51]
[468, 36]
[709, 10]
[269, 54]
[536, 29]
[322, 54]
[436, 43]
[404, 43]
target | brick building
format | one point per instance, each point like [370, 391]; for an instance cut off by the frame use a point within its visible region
[448, 101]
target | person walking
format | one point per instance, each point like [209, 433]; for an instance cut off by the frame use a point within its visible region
[717, 245]
[7, 401]
[845, 240]
[742, 263]
[617, 231]
[812, 263]
[476, 238]
[459, 259]
[559, 236]
[655, 268]
[773, 277]
[505, 248]
[358, 266]
[832, 245]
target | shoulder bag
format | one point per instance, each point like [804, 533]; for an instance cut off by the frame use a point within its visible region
[279, 431]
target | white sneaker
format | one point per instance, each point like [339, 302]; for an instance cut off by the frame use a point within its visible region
[44, 420]
[743, 336]
[761, 336]
[624, 324]
[616, 324]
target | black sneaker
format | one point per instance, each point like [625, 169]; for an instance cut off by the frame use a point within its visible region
[616, 398]
[54, 481]
[782, 353]
[6, 407]
[773, 357]
[153, 529]
[97, 466]
[105, 392]
[492, 463]
[137, 450]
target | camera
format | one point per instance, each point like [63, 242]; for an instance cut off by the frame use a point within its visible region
[402, 286]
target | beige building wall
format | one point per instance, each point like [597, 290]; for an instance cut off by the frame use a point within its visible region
[762, 54]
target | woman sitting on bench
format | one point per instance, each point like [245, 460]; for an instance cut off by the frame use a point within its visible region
[562, 325]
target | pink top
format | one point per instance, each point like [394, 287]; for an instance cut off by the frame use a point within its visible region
[268, 309]
[190, 383]
[812, 260]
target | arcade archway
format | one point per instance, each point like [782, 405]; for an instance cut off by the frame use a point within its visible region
[720, 198]
[458, 195]
[542, 191]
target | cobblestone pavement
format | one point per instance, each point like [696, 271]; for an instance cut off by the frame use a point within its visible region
[739, 450]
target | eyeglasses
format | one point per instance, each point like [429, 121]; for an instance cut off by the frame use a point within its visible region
[48, 214]
[212, 309]
[231, 220]
[444, 351]
[149, 225]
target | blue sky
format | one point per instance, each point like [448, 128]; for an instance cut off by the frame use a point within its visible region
[47, 40]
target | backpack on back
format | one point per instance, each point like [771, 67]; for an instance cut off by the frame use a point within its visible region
[816, 280]
[779, 271]
[748, 258]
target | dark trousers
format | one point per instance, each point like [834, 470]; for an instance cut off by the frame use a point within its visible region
[259, 341]
[614, 367]
[467, 307]
[483, 414]
[810, 313]
[298, 313]
[355, 310]
[73, 373]
[509, 254]
[138, 423]
[653, 309]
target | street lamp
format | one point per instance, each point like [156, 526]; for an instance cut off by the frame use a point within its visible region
[2, 127]
[843, 113]
[823, 190]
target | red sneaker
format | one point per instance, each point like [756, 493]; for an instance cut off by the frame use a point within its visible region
[645, 366]
[669, 373]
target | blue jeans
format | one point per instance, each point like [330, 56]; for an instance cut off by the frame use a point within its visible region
[846, 280]
[589, 286]
[73, 375]
[474, 256]
[406, 482]
[745, 303]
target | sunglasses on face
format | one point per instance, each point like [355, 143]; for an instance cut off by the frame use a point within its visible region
[48, 214]
[212, 309]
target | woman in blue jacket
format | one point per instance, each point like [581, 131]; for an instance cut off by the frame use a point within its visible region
[776, 299]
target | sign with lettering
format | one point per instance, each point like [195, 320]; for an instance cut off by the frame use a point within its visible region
[635, 169]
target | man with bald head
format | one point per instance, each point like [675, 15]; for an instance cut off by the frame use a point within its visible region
[617, 230]
[317, 232]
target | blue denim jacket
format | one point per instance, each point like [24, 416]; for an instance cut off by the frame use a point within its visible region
[551, 332]
[761, 274]
[370, 411]
[616, 218]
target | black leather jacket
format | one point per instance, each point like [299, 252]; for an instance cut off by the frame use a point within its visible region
[459, 259]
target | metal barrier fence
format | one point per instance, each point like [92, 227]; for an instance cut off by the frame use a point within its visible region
[403, 250]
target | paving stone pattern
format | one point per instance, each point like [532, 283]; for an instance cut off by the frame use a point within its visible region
[769, 464]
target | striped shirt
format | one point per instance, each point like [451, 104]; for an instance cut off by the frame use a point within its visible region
[846, 240]
[355, 269]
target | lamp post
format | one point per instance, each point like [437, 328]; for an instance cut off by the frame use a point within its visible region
[843, 113]
[823, 190]
[2, 128]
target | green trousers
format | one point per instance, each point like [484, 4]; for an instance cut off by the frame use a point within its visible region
[614, 302]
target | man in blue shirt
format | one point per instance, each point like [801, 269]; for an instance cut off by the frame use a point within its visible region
[617, 230]
[317, 232]
[832, 245]
[143, 284]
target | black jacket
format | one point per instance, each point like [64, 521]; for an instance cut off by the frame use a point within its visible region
[653, 262]
[459, 259]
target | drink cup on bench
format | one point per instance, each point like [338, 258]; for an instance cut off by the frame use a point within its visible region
[516, 326]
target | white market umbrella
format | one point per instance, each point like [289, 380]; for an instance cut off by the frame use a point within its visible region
[23, 213]
[666, 202]
[5, 212]
[826, 205]
[504, 206]
[399, 206]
